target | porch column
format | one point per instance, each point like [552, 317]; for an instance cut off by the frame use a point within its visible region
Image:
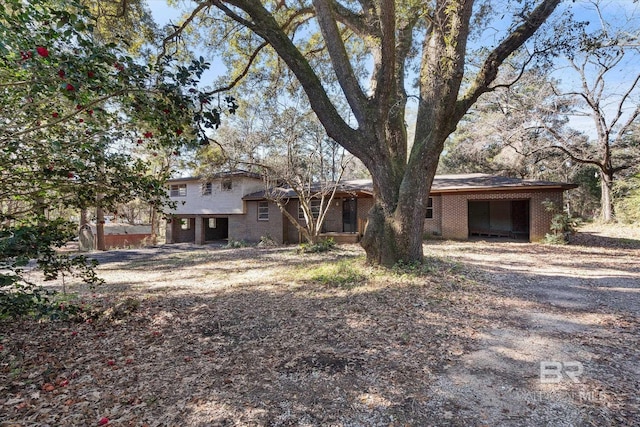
[199, 230]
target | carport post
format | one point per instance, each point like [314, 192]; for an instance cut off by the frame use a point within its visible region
[199, 230]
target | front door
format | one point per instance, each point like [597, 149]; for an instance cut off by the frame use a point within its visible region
[350, 215]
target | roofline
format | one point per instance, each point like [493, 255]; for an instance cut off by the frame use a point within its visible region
[562, 186]
[217, 176]
[337, 195]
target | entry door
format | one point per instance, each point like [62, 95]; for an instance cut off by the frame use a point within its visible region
[350, 215]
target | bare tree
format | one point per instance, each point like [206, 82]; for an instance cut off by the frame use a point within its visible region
[607, 95]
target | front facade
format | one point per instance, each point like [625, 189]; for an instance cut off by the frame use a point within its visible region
[233, 207]
[209, 210]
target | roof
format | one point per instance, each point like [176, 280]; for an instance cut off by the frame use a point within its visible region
[229, 174]
[442, 184]
[358, 186]
[484, 182]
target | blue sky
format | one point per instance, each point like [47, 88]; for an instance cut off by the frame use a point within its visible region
[615, 12]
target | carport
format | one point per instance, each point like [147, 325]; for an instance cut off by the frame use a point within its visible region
[499, 218]
[216, 228]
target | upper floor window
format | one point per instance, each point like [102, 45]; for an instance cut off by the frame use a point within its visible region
[178, 190]
[227, 185]
[206, 188]
[263, 211]
[429, 214]
[315, 209]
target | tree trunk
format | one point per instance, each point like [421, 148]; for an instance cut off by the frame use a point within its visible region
[395, 226]
[606, 199]
[100, 243]
[84, 217]
[155, 225]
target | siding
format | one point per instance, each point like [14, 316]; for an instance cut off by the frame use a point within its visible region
[219, 202]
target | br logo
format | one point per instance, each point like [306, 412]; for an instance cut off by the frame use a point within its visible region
[552, 372]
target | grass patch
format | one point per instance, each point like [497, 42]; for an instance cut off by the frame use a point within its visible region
[344, 274]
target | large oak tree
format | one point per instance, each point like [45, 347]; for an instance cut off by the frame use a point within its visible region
[386, 40]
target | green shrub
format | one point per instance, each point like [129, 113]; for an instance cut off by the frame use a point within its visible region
[322, 246]
[30, 244]
[561, 225]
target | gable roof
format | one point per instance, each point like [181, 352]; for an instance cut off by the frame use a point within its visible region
[441, 184]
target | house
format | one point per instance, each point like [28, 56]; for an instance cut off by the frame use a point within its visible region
[234, 206]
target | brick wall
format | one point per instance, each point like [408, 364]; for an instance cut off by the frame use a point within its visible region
[454, 211]
[125, 240]
[433, 226]
[247, 227]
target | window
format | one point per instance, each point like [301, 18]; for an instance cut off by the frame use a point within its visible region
[315, 209]
[185, 224]
[263, 211]
[178, 190]
[226, 185]
[206, 188]
[212, 223]
[429, 214]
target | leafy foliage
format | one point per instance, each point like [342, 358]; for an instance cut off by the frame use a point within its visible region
[628, 205]
[561, 224]
[36, 240]
[81, 119]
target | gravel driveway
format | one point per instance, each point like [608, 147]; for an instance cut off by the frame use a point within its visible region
[574, 308]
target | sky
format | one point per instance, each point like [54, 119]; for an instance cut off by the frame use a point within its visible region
[615, 12]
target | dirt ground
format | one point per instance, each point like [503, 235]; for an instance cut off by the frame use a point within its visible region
[205, 336]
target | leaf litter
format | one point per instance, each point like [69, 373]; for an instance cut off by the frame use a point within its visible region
[212, 337]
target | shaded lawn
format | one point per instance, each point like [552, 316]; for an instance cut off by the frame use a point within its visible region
[263, 338]
[251, 336]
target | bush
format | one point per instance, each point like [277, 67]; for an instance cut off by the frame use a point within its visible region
[628, 204]
[27, 241]
[561, 225]
[321, 246]
[267, 242]
[235, 244]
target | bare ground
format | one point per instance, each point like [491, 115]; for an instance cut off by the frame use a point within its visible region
[196, 336]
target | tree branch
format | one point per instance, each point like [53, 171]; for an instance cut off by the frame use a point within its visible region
[494, 60]
[266, 27]
[340, 59]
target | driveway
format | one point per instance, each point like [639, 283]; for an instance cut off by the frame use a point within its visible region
[568, 312]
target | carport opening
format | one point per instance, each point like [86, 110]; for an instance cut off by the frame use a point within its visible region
[216, 229]
[499, 218]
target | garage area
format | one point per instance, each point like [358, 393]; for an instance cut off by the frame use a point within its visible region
[215, 229]
[499, 218]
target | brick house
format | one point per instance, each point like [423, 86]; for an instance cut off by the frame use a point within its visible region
[233, 206]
